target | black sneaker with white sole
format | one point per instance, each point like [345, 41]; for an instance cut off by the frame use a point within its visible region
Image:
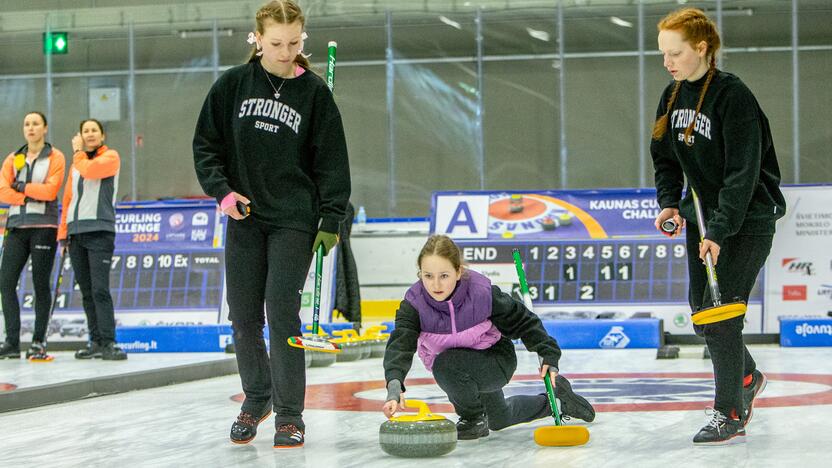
[91, 351]
[244, 428]
[721, 430]
[111, 352]
[572, 404]
[472, 428]
[288, 436]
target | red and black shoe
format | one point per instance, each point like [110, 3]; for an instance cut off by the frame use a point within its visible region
[244, 428]
[749, 393]
[288, 436]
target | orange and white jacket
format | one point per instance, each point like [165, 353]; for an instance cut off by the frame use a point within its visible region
[37, 205]
[90, 193]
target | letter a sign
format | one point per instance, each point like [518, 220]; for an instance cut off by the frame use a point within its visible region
[462, 216]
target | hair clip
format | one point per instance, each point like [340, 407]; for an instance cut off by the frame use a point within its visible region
[303, 37]
[252, 39]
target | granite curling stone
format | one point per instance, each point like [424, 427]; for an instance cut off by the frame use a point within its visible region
[351, 346]
[418, 435]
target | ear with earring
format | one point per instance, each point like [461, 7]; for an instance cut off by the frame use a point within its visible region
[252, 39]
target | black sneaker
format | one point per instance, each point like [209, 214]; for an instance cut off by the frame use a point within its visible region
[245, 427]
[749, 393]
[721, 430]
[474, 428]
[37, 350]
[92, 351]
[111, 352]
[288, 436]
[9, 351]
[572, 404]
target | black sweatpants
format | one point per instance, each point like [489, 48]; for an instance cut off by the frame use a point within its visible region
[91, 254]
[474, 381]
[19, 244]
[268, 266]
[739, 262]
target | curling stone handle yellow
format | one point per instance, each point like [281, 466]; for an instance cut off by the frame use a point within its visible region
[375, 330]
[347, 333]
[423, 407]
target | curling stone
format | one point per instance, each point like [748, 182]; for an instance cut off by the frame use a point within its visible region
[352, 348]
[377, 340]
[418, 435]
[564, 219]
[307, 357]
[548, 224]
[515, 204]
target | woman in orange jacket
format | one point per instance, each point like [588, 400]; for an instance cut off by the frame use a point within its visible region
[30, 180]
[88, 229]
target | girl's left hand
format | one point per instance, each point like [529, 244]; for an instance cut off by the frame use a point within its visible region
[709, 246]
[552, 373]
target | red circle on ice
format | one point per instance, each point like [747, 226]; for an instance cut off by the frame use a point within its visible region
[608, 392]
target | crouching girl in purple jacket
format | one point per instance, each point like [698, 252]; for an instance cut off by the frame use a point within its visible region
[461, 326]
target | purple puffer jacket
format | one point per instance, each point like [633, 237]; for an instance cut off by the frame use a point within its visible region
[462, 321]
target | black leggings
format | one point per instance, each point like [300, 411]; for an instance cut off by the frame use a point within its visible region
[19, 244]
[474, 381]
[91, 254]
[268, 266]
[740, 259]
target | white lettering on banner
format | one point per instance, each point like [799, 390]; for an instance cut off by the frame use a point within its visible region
[805, 329]
[139, 345]
[640, 214]
[473, 254]
[129, 223]
[613, 204]
[206, 260]
[800, 250]
[462, 216]
[199, 235]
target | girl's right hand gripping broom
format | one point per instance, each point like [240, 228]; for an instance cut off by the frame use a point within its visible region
[557, 435]
[719, 311]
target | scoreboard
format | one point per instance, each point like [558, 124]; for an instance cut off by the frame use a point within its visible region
[587, 253]
[592, 271]
[168, 266]
[149, 280]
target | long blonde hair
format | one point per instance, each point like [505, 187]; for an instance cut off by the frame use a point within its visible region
[695, 27]
[281, 12]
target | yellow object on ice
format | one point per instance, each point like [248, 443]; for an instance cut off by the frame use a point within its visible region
[424, 413]
[561, 436]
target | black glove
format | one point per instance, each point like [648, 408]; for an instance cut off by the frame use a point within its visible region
[394, 390]
[19, 185]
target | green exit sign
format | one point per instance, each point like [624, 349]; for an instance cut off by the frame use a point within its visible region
[55, 43]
